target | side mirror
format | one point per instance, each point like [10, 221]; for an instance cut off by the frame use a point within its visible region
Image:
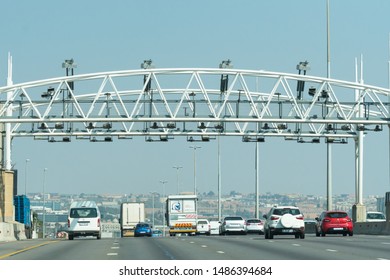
[265, 216]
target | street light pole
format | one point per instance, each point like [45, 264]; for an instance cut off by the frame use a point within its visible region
[43, 207]
[163, 183]
[194, 148]
[177, 176]
[25, 178]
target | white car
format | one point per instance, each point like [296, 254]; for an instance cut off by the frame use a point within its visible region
[233, 224]
[215, 227]
[284, 220]
[375, 217]
[254, 226]
[203, 226]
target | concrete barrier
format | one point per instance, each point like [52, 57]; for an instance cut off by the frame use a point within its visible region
[12, 231]
[374, 228]
[7, 232]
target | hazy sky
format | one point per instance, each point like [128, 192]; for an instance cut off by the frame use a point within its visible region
[270, 35]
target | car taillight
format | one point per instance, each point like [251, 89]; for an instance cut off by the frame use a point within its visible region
[349, 220]
[299, 218]
[98, 222]
[273, 218]
[68, 223]
[326, 220]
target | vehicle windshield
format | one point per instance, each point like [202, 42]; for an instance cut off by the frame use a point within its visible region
[83, 213]
[233, 219]
[337, 215]
[142, 225]
[202, 222]
[281, 212]
[253, 221]
[375, 216]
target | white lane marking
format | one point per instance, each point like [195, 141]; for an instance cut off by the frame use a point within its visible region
[114, 247]
[297, 245]
[220, 252]
[331, 250]
[204, 246]
[112, 254]
[381, 259]
[192, 242]
[386, 243]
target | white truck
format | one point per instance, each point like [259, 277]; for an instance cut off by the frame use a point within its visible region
[131, 214]
[181, 214]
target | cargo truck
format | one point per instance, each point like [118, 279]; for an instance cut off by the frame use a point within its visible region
[23, 213]
[181, 214]
[131, 214]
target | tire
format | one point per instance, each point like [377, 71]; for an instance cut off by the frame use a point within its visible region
[266, 234]
[70, 237]
[99, 236]
[344, 234]
[270, 235]
[287, 220]
[302, 236]
[351, 233]
[322, 233]
[296, 236]
[317, 233]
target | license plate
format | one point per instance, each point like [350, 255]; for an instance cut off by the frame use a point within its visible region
[287, 230]
[83, 224]
[338, 228]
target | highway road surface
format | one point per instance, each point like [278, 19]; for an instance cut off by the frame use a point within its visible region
[231, 247]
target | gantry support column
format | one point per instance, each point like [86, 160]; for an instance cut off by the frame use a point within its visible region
[359, 209]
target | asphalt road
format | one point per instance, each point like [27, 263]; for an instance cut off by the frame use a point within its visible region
[232, 247]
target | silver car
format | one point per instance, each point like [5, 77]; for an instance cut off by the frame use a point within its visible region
[233, 224]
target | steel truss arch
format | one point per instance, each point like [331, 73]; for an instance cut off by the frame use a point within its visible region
[198, 103]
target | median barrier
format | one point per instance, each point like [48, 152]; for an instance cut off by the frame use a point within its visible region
[7, 232]
[373, 228]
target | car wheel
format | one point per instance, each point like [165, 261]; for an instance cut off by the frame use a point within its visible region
[270, 235]
[266, 234]
[302, 235]
[98, 236]
[351, 233]
[322, 233]
[296, 236]
[317, 233]
[344, 234]
[70, 237]
[287, 220]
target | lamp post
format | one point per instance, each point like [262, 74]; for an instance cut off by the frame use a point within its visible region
[43, 207]
[177, 176]
[194, 148]
[153, 193]
[163, 183]
[25, 177]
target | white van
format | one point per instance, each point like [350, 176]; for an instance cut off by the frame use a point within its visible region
[84, 220]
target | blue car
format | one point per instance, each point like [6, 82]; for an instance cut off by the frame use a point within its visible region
[143, 229]
[157, 233]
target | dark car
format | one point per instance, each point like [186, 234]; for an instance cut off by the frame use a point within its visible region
[334, 222]
[143, 229]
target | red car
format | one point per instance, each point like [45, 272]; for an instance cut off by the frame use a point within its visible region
[334, 222]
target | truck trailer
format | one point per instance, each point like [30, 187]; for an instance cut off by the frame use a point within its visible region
[181, 214]
[131, 214]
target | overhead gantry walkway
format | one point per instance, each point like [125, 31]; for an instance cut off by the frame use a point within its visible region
[200, 103]
[197, 103]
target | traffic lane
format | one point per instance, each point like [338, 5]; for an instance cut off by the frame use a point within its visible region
[77, 249]
[166, 248]
[289, 248]
[363, 247]
[10, 248]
